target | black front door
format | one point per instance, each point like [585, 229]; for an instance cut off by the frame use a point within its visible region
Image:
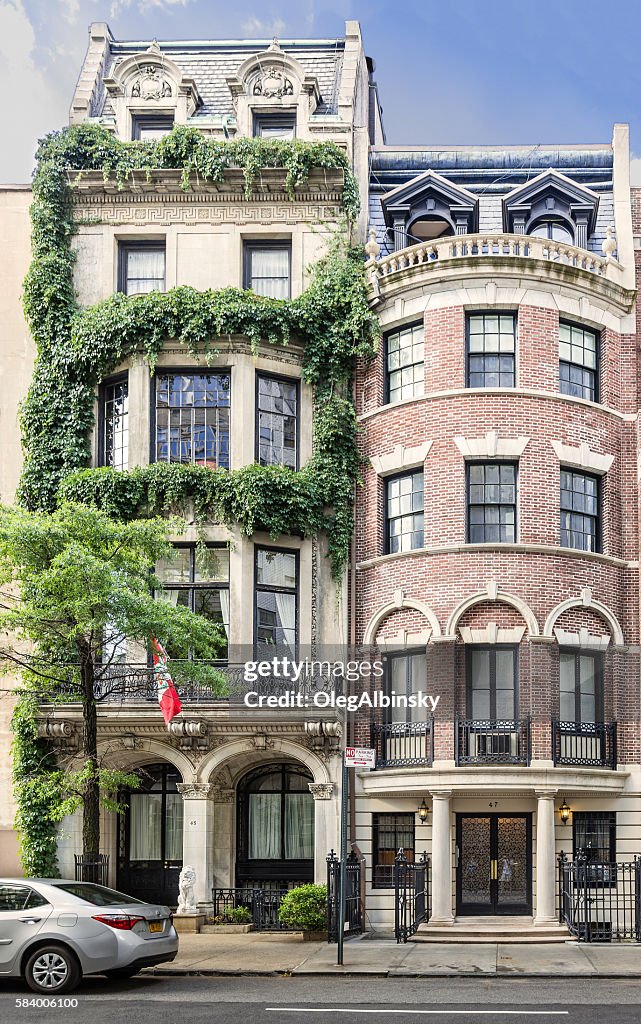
[151, 837]
[494, 867]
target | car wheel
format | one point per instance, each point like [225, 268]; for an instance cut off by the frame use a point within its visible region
[52, 969]
[123, 972]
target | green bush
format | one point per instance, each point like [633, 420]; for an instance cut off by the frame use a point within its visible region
[239, 915]
[305, 908]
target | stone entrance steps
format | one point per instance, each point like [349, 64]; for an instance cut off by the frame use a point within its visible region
[491, 929]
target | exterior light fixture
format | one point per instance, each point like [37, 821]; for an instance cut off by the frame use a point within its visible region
[423, 811]
[564, 811]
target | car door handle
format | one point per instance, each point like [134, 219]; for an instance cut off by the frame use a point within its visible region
[30, 920]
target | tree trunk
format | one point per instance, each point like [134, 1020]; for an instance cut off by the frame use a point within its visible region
[91, 799]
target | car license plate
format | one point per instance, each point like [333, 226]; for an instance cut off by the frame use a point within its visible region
[156, 926]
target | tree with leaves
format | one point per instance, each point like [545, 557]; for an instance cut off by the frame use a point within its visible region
[74, 586]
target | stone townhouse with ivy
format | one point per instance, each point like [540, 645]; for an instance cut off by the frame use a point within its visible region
[196, 308]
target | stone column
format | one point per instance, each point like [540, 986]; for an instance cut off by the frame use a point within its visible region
[326, 834]
[545, 859]
[198, 836]
[441, 858]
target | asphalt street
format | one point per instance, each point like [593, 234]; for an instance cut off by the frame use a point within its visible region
[341, 1000]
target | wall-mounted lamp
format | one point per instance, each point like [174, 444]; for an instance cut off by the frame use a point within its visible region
[423, 811]
[564, 811]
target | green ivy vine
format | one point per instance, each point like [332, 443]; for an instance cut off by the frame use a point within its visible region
[78, 347]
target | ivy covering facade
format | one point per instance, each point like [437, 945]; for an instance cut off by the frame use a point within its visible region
[78, 347]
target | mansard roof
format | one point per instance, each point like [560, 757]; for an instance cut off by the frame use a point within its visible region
[412, 194]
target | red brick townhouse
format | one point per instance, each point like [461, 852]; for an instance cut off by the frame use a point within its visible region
[497, 549]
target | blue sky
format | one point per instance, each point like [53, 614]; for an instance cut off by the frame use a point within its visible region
[465, 72]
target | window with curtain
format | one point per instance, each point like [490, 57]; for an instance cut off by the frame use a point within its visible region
[578, 361]
[192, 418]
[491, 344]
[197, 577]
[279, 814]
[276, 600]
[404, 365]
[141, 267]
[276, 421]
[406, 675]
[492, 683]
[114, 416]
[392, 832]
[267, 268]
[579, 510]
[581, 686]
[156, 817]
[404, 506]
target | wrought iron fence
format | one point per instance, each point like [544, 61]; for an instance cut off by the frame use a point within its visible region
[492, 742]
[262, 904]
[353, 904]
[92, 868]
[600, 901]
[399, 744]
[591, 744]
[411, 895]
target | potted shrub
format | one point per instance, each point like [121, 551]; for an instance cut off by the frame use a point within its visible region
[305, 908]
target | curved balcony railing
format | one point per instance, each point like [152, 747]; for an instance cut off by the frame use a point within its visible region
[492, 742]
[497, 245]
[585, 744]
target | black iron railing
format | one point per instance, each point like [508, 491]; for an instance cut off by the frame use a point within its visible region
[353, 905]
[591, 744]
[503, 741]
[411, 895]
[399, 744]
[262, 904]
[92, 868]
[600, 901]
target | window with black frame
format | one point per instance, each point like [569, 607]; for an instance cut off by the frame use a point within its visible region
[581, 686]
[405, 676]
[192, 418]
[151, 127]
[114, 417]
[491, 496]
[392, 832]
[276, 603]
[275, 125]
[404, 363]
[404, 508]
[491, 347]
[141, 267]
[580, 510]
[267, 268]
[594, 835]
[196, 577]
[578, 361]
[492, 682]
[276, 421]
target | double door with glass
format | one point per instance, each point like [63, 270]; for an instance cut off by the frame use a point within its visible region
[494, 864]
[151, 837]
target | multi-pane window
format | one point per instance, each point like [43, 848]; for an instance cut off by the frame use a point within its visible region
[579, 510]
[276, 421]
[192, 418]
[578, 361]
[490, 350]
[404, 503]
[581, 688]
[492, 683]
[142, 267]
[491, 502]
[150, 127]
[392, 832]
[267, 268]
[275, 126]
[115, 424]
[276, 604]
[404, 365]
[197, 577]
[594, 833]
[406, 676]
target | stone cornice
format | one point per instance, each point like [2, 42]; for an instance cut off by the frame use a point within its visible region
[537, 549]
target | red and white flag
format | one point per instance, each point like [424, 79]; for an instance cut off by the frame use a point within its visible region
[167, 696]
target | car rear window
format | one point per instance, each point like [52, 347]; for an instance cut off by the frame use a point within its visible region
[97, 895]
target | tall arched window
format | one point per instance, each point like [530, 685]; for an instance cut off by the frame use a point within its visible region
[151, 836]
[276, 823]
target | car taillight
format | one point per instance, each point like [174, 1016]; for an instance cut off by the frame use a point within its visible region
[124, 922]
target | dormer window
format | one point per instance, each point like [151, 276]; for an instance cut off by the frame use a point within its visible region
[554, 207]
[275, 126]
[150, 127]
[426, 208]
[555, 230]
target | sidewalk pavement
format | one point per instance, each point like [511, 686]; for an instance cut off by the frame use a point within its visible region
[264, 953]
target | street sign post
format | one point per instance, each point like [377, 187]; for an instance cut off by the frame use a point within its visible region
[360, 757]
[353, 757]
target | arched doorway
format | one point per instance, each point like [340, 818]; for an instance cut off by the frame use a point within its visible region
[275, 827]
[150, 847]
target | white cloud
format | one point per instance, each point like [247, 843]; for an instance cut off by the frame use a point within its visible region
[70, 10]
[254, 28]
[33, 104]
[145, 5]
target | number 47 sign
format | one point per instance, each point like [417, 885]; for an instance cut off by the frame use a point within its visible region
[360, 757]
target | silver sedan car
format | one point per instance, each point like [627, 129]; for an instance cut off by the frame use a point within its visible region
[53, 931]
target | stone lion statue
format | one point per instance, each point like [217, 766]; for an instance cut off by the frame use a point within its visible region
[186, 897]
